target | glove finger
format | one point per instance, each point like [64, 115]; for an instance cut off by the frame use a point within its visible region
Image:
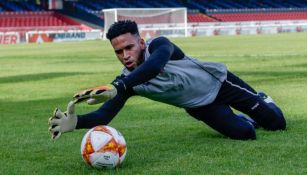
[54, 121]
[54, 129]
[102, 88]
[55, 132]
[71, 108]
[104, 95]
[77, 95]
[56, 135]
[58, 113]
[88, 93]
[83, 93]
[54, 113]
[81, 96]
[49, 120]
[92, 101]
[79, 100]
[99, 90]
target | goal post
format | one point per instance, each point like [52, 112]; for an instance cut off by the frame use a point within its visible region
[152, 22]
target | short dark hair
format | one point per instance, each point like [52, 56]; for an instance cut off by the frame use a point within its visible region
[122, 27]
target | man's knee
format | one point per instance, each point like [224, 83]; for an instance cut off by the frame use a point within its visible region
[279, 123]
[244, 133]
[276, 120]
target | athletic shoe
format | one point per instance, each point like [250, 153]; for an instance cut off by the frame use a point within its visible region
[265, 97]
[249, 120]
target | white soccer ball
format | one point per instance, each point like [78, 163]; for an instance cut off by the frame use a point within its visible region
[103, 147]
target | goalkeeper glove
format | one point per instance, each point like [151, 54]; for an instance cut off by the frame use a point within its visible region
[99, 94]
[96, 95]
[62, 122]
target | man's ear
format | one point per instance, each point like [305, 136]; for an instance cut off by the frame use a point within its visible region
[142, 43]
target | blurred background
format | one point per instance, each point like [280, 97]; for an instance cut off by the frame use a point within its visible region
[38, 21]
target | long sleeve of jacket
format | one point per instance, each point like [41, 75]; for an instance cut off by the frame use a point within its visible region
[161, 51]
[105, 113]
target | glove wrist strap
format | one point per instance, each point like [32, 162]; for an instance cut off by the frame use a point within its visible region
[119, 85]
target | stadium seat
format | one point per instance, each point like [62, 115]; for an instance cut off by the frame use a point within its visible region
[199, 17]
[39, 20]
[260, 16]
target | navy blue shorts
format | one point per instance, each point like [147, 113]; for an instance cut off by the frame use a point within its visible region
[237, 94]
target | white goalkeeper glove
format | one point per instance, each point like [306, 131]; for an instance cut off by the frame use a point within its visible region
[62, 122]
[96, 95]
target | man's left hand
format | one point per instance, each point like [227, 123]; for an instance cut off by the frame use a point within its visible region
[62, 122]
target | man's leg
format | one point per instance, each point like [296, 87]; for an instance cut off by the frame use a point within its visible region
[222, 119]
[242, 97]
[267, 115]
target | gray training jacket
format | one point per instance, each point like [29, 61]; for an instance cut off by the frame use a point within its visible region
[186, 83]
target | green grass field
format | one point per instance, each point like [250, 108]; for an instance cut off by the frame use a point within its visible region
[161, 139]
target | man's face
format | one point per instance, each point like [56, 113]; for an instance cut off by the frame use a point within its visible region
[129, 49]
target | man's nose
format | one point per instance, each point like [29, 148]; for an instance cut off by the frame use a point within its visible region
[126, 54]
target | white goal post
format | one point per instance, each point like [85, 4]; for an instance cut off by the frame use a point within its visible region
[152, 22]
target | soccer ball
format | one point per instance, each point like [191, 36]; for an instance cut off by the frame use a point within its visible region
[103, 147]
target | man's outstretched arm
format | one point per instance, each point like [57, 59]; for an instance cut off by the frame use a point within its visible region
[105, 113]
[161, 51]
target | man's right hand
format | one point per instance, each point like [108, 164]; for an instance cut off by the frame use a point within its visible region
[62, 122]
[96, 95]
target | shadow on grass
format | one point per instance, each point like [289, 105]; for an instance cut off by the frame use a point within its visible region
[37, 77]
[134, 117]
[274, 73]
[304, 65]
[30, 108]
[270, 76]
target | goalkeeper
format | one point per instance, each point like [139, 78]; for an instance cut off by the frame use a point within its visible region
[160, 71]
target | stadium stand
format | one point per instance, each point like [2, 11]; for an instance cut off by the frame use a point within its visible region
[23, 16]
[198, 11]
[10, 6]
[251, 4]
[200, 17]
[29, 15]
[260, 16]
[209, 10]
[30, 6]
[37, 20]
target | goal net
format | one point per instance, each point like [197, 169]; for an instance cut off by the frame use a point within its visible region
[152, 22]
